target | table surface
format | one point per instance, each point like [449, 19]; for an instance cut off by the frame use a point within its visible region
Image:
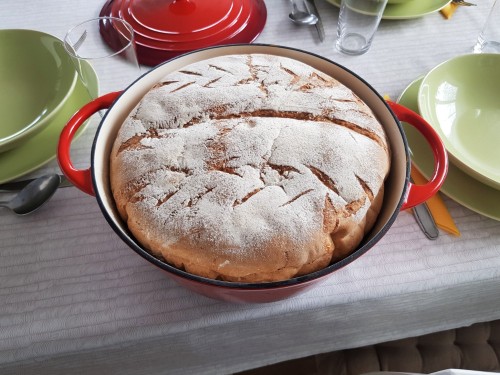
[74, 298]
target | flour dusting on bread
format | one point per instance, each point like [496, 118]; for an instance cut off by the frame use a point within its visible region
[249, 168]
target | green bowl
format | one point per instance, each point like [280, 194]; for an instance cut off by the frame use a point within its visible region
[460, 98]
[36, 75]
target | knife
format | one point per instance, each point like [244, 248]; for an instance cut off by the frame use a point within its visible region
[425, 220]
[319, 25]
[18, 185]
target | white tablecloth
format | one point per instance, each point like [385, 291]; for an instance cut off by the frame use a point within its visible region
[75, 299]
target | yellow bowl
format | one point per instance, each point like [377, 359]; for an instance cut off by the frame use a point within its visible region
[36, 75]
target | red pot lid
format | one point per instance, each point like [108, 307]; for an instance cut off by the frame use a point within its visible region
[167, 28]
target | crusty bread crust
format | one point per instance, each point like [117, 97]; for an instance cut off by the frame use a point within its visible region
[249, 168]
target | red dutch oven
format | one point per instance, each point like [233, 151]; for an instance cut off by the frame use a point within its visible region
[400, 192]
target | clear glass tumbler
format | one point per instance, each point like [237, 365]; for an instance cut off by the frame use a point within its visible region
[103, 52]
[488, 40]
[103, 47]
[358, 22]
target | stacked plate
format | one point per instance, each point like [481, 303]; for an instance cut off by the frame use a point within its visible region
[406, 9]
[167, 28]
[460, 99]
[40, 91]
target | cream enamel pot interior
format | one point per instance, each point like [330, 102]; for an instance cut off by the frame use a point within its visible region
[400, 192]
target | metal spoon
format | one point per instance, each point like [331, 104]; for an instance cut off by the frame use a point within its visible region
[300, 17]
[33, 195]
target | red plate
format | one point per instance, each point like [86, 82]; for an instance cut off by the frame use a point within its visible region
[167, 28]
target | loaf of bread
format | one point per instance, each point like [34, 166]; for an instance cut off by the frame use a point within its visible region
[249, 168]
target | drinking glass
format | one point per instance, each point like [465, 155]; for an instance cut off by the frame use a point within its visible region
[103, 47]
[103, 52]
[488, 40]
[358, 22]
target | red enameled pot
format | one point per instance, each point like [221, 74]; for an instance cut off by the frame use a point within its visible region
[400, 193]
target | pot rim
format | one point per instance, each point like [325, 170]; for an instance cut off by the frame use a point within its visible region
[362, 248]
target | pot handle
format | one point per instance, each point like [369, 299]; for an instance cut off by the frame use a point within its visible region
[81, 178]
[418, 194]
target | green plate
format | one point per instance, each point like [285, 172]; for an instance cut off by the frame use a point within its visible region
[42, 147]
[460, 98]
[409, 9]
[37, 76]
[458, 185]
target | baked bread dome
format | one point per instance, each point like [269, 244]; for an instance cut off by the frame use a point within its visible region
[249, 168]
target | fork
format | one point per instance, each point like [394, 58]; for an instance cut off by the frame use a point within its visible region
[80, 40]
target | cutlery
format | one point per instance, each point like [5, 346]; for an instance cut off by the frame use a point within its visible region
[319, 25]
[437, 206]
[19, 185]
[33, 195]
[463, 3]
[425, 220]
[80, 40]
[300, 17]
